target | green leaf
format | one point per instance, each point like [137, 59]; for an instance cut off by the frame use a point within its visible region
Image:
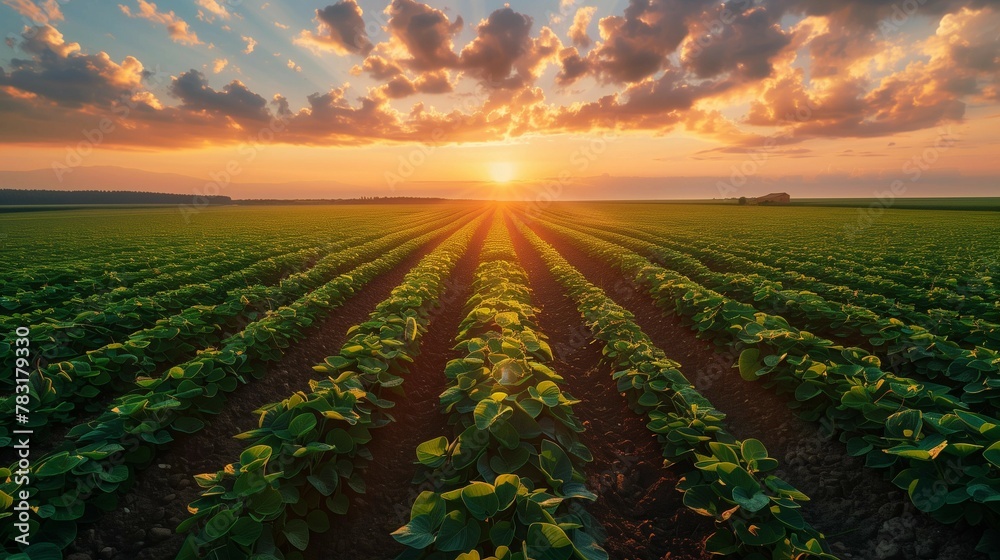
[904, 425]
[481, 500]
[301, 424]
[753, 450]
[58, 464]
[486, 413]
[433, 453]
[431, 505]
[548, 542]
[418, 533]
[457, 534]
[555, 464]
[506, 487]
[297, 533]
[326, 479]
[749, 364]
[750, 502]
[992, 454]
[760, 534]
[246, 531]
[220, 524]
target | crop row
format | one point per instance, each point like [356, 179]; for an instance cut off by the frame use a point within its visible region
[946, 458]
[958, 327]
[70, 330]
[757, 514]
[975, 374]
[511, 483]
[897, 254]
[100, 456]
[67, 337]
[29, 300]
[112, 369]
[308, 448]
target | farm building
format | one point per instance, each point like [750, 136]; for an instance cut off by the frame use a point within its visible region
[773, 198]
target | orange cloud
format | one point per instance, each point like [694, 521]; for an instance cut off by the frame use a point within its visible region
[661, 65]
[578, 31]
[177, 28]
[38, 13]
[341, 30]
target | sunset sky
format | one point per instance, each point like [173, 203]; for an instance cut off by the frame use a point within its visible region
[638, 99]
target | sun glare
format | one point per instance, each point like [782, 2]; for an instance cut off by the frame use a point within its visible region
[502, 172]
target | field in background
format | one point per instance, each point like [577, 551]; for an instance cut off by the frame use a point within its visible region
[566, 380]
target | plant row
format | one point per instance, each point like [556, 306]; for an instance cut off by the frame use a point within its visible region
[510, 484]
[756, 514]
[939, 278]
[71, 330]
[82, 478]
[60, 387]
[308, 449]
[946, 458]
[975, 374]
[952, 323]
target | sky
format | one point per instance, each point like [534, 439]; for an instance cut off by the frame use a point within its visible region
[464, 98]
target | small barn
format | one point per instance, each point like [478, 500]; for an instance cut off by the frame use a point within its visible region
[773, 198]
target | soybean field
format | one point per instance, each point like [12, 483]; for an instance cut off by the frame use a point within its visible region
[500, 381]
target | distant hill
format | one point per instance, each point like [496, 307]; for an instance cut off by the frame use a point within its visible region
[35, 197]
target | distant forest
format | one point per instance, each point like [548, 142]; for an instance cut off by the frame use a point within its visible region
[29, 197]
[38, 197]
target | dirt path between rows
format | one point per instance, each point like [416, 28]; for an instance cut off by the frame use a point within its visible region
[364, 533]
[143, 526]
[638, 506]
[863, 515]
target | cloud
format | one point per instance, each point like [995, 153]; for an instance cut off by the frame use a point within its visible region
[341, 30]
[378, 67]
[636, 44]
[235, 100]
[660, 65]
[178, 29]
[61, 75]
[578, 31]
[504, 54]
[745, 45]
[37, 13]
[432, 82]
[212, 9]
[424, 33]
[572, 66]
[280, 25]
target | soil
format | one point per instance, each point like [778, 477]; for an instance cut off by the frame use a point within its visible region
[862, 514]
[143, 526]
[640, 510]
[364, 532]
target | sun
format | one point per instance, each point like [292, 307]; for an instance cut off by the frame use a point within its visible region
[502, 171]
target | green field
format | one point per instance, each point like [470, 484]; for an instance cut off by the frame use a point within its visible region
[480, 380]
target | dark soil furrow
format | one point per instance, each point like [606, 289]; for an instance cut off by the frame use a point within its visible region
[638, 506]
[862, 514]
[143, 525]
[364, 533]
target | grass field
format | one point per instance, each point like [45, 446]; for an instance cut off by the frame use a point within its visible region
[477, 380]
